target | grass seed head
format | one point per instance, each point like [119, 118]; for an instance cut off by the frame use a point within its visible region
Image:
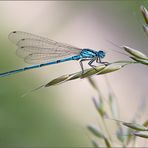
[145, 13]
[135, 52]
[141, 134]
[135, 126]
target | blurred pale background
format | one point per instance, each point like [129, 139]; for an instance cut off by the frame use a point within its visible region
[57, 116]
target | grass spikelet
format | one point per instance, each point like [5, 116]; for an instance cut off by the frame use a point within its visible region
[145, 13]
[135, 53]
[111, 68]
[95, 144]
[93, 71]
[145, 28]
[108, 145]
[94, 85]
[141, 134]
[120, 134]
[95, 131]
[126, 132]
[100, 107]
[113, 106]
[135, 126]
[145, 123]
[142, 61]
[127, 136]
[57, 80]
[87, 73]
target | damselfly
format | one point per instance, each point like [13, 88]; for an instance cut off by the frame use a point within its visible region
[42, 51]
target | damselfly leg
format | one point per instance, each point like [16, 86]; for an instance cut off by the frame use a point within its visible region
[98, 60]
[90, 63]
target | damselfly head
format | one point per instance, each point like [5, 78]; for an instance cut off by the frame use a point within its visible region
[101, 54]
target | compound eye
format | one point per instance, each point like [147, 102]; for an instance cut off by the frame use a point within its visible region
[102, 53]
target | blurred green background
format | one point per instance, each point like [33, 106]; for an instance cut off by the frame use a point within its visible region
[57, 116]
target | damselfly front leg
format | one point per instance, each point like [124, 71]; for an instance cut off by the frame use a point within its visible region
[98, 60]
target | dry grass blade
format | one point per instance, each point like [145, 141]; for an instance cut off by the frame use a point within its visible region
[135, 53]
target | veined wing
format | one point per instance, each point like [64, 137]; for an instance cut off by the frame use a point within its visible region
[36, 49]
[35, 55]
[21, 38]
[16, 36]
[43, 58]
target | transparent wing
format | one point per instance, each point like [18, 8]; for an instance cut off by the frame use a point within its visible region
[41, 58]
[18, 36]
[36, 49]
[37, 55]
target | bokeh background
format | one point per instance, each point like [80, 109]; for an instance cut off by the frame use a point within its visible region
[57, 116]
